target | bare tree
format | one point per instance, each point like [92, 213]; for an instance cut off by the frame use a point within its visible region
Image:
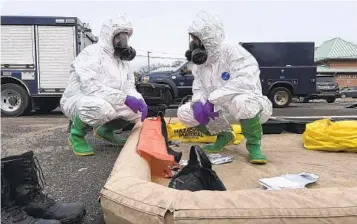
[177, 63]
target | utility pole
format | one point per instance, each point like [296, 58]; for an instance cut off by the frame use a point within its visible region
[149, 60]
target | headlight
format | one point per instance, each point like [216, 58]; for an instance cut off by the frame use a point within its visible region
[145, 79]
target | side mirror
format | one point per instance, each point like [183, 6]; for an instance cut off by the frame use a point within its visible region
[182, 72]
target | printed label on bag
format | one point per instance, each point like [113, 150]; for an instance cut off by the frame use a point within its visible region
[178, 132]
[188, 133]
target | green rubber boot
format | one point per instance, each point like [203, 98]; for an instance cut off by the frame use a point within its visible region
[252, 131]
[77, 139]
[106, 132]
[223, 139]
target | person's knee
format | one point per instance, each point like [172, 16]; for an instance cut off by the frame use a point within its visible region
[95, 111]
[244, 107]
[125, 113]
[185, 115]
[129, 116]
[182, 112]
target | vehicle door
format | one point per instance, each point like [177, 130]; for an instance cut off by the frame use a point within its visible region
[184, 80]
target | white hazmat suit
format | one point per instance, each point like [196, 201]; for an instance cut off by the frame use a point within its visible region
[228, 82]
[238, 97]
[99, 82]
[99, 87]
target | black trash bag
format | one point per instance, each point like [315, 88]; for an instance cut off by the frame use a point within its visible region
[198, 174]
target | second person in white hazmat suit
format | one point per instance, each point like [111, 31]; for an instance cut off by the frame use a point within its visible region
[226, 79]
[101, 93]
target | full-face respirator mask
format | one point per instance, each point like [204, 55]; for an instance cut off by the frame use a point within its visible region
[197, 52]
[122, 49]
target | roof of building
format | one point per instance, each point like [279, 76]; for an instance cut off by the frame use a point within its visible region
[327, 69]
[336, 48]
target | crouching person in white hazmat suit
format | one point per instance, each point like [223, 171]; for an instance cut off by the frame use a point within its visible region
[101, 93]
[226, 83]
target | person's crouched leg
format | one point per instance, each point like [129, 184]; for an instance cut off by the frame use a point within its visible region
[118, 117]
[223, 139]
[77, 139]
[252, 131]
[251, 111]
[107, 132]
[91, 112]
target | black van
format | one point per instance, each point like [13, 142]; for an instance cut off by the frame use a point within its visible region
[287, 69]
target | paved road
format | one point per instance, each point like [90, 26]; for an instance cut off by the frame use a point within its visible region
[71, 178]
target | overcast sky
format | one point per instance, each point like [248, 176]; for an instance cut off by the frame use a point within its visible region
[162, 26]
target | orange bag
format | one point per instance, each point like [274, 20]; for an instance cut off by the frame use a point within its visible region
[153, 146]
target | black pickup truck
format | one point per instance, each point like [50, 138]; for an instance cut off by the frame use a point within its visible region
[287, 71]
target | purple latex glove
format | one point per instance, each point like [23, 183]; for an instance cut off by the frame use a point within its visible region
[199, 113]
[209, 110]
[137, 105]
[144, 111]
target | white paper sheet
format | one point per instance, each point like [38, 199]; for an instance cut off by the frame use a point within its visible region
[289, 181]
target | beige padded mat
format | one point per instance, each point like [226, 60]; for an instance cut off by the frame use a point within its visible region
[285, 154]
[130, 196]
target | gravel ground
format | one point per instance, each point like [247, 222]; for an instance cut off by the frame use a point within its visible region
[69, 178]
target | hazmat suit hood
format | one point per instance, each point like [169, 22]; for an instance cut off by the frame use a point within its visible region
[210, 30]
[112, 27]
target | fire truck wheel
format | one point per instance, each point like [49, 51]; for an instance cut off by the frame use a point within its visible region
[14, 100]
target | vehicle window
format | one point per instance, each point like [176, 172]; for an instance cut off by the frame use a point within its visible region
[325, 79]
[187, 68]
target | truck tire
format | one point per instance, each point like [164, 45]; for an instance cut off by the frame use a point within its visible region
[280, 97]
[331, 99]
[15, 100]
[168, 98]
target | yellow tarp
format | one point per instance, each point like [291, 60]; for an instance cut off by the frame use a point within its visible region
[331, 136]
[178, 132]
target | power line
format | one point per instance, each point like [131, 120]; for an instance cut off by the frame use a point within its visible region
[167, 53]
[157, 52]
[157, 57]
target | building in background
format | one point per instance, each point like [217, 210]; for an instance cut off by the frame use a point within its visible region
[338, 57]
